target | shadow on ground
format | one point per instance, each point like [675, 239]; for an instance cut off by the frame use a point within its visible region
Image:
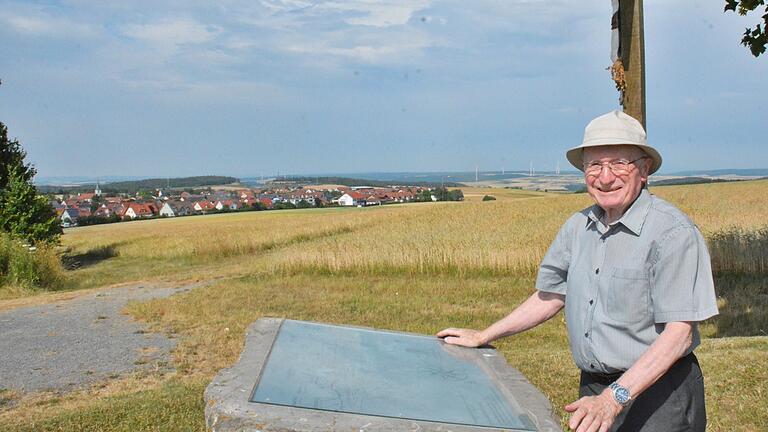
[740, 265]
[743, 305]
[89, 258]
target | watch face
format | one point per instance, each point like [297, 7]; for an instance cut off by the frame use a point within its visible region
[622, 395]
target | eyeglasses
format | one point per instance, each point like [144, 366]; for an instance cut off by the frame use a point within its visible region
[618, 166]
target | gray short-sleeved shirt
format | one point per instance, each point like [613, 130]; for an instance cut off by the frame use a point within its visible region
[624, 281]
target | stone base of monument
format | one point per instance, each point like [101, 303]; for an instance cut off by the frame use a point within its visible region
[302, 376]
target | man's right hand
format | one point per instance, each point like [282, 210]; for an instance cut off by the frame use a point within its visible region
[463, 337]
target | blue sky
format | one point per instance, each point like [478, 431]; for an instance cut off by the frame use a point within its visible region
[242, 87]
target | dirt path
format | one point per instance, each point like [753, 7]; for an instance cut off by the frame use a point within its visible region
[70, 344]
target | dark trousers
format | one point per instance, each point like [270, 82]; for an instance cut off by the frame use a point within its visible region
[673, 403]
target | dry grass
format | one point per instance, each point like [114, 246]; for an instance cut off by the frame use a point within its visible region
[213, 320]
[29, 408]
[174, 404]
[218, 235]
[199, 246]
[736, 383]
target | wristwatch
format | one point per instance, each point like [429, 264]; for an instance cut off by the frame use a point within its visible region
[620, 394]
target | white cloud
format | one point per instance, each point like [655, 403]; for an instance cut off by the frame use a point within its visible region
[374, 13]
[327, 32]
[46, 26]
[363, 53]
[172, 32]
[377, 13]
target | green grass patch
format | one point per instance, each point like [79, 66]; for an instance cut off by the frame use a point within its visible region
[173, 406]
[743, 304]
[25, 271]
[736, 383]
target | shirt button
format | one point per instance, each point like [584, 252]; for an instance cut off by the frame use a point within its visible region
[591, 366]
[586, 334]
[597, 270]
[591, 301]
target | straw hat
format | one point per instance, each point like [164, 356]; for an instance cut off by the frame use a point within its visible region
[614, 128]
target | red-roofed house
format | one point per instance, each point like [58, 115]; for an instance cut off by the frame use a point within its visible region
[137, 210]
[103, 211]
[87, 197]
[245, 194]
[352, 198]
[268, 203]
[227, 204]
[203, 206]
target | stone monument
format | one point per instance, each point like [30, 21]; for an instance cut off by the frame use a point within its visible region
[303, 376]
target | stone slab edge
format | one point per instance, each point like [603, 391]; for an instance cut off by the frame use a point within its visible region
[227, 406]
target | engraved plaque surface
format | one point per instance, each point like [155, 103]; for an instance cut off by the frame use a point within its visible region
[387, 374]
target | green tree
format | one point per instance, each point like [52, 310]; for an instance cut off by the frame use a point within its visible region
[754, 38]
[23, 213]
[456, 195]
[95, 203]
[12, 155]
[441, 193]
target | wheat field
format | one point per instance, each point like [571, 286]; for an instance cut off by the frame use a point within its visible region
[507, 237]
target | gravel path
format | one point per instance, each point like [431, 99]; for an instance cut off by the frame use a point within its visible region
[71, 344]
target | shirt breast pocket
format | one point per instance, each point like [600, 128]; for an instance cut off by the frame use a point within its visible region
[628, 295]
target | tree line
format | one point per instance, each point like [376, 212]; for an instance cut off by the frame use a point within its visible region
[136, 186]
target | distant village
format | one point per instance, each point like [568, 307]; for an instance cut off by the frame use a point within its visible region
[97, 208]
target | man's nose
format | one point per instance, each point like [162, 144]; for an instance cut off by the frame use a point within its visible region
[606, 175]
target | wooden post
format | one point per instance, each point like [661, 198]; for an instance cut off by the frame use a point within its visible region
[633, 57]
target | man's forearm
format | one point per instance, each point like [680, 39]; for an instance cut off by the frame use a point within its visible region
[538, 308]
[660, 356]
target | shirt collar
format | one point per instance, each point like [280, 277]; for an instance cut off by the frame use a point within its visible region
[633, 218]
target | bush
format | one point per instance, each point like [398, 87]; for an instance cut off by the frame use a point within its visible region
[97, 220]
[283, 205]
[489, 198]
[34, 269]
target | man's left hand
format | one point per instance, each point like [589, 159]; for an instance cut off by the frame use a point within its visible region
[593, 413]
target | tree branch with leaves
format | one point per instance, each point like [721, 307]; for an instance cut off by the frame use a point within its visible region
[755, 38]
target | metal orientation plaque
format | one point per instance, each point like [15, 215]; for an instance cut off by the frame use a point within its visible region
[303, 376]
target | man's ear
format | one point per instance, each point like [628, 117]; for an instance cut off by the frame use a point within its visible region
[648, 163]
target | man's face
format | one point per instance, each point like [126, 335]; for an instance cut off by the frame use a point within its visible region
[611, 191]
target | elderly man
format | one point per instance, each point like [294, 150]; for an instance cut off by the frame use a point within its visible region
[634, 276]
